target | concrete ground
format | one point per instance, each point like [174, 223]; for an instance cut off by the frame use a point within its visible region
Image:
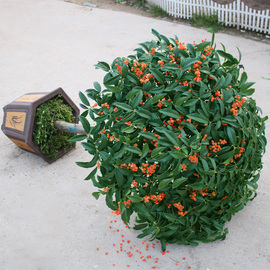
[48, 217]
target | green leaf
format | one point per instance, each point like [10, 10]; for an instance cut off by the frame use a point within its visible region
[198, 118]
[148, 135]
[165, 39]
[172, 137]
[89, 164]
[88, 146]
[231, 135]
[85, 123]
[123, 106]
[109, 200]
[205, 108]
[133, 78]
[179, 101]
[128, 129]
[170, 217]
[137, 99]
[158, 97]
[134, 150]
[112, 80]
[78, 138]
[243, 79]
[97, 86]
[163, 183]
[177, 154]
[92, 174]
[134, 199]
[84, 99]
[158, 75]
[220, 83]
[103, 65]
[178, 182]
[133, 92]
[227, 56]
[114, 89]
[170, 112]
[154, 32]
[202, 45]
[144, 113]
[157, 150]
[145, 150]
[205, 165]
[96, 195]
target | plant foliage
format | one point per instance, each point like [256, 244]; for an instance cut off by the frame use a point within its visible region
[177, 140]
[49, 139]
[204, 20]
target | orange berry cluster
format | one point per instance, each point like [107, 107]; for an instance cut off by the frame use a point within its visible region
[194, 193]
[181, 45]
[170, 47]
[172, 58]
[139, 69]
[148, 169]
[161, 63]
[146, 78]
[134, 183]
[208, 50]
[131, 166]
[180, 208]
[215, 147]
[154, 142]
[184, 167]
[229, 87]
[112, 138]
[127, 203]
[155, 198]
[106, 105]
[152, 51]
[194, 158]
[218, 96]
[237, 104]
[241, 150]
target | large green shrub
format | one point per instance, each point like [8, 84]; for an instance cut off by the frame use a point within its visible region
[177, 140]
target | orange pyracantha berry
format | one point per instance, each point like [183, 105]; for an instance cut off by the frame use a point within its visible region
[155, 198]
[237, 104]
[127, 203]
[180, 208]
[184, 167]
[118, 211]
[134, 183]
[204, 137]
[106, 105]
[161, 63]
[152, 51]
[194, 158]
[149, 169]
[181, 45]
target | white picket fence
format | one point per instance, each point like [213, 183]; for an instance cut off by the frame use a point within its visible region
[235, 14]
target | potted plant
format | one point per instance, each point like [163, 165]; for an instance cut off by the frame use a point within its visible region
[29, 123]
[178, 140]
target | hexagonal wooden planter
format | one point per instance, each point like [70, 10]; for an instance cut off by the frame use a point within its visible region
[19, 120]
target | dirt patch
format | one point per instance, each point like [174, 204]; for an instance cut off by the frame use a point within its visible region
[125, 7]
[255, 4]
